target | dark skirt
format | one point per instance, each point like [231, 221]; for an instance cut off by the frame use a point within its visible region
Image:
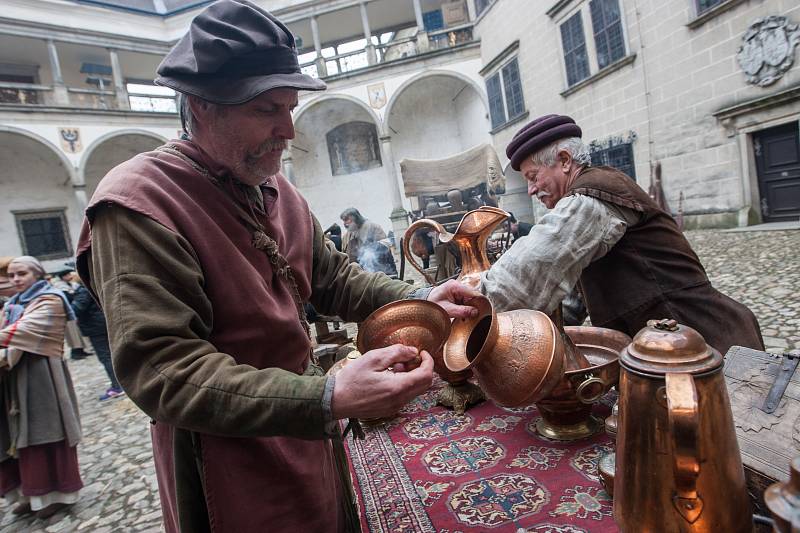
[42, 469]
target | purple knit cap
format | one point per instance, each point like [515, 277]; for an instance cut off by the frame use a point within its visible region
[538, 134]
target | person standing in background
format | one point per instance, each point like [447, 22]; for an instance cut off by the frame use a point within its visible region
[39, 421]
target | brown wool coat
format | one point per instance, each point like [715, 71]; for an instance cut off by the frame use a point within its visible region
[652, 273]
[205, 339]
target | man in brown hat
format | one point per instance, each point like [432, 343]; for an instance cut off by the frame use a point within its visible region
[202, 255]
[632, 261]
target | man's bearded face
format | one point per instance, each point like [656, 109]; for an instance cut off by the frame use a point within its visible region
[249, 139]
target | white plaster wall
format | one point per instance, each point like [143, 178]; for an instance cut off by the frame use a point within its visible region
[32, 177]
[93, 128]
[397, 81]
[110, 153]
[329, 195]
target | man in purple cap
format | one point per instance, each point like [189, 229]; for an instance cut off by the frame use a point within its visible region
[604, 231]
[202, 255]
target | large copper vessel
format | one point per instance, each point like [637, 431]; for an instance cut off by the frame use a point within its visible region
[567, 410]
[517, 356]
[470, 238]
[678, 467]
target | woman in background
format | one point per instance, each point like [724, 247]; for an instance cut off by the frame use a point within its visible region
[39, 422]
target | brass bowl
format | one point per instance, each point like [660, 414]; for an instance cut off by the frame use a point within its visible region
[418, 323]
[566, 411]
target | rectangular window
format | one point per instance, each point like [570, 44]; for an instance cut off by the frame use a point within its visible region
[619, 156]
[495, 93]
[433, 20]
[607, 26]
[504, 90]
[705, 5]
[481, 5]
[148, 97]
[574, 43]
[515, 105]
[44, 234]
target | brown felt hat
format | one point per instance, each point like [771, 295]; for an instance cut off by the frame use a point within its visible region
[539, 133]
[234, 51]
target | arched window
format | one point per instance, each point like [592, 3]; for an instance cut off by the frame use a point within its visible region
[353, 147]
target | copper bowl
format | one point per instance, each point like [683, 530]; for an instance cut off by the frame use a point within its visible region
[418, 323]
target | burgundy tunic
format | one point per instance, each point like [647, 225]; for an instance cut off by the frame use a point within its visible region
[653, 273]
[249, 484]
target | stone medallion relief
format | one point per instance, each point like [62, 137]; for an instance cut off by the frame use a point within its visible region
[767, 49]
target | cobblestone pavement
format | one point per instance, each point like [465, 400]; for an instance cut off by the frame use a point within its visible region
[761, 269]
[116, 462]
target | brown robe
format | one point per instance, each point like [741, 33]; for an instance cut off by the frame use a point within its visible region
[652, 273]
[247, 484]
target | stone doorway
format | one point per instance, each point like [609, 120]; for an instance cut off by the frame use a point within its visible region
[777, 153]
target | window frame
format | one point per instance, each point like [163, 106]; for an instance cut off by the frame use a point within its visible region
[34, 214]
[698, 11]
[604, 152]
[497, 71]
[584, 8]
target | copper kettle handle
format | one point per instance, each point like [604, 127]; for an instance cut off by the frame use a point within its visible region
[684, 424]
[421, 223]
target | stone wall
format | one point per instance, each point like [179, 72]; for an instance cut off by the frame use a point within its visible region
[678, 73]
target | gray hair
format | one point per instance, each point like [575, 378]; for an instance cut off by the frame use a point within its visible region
[353, 213]
[185, 112]
[574, 145]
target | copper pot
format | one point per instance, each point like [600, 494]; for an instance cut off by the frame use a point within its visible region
[567, 410]
[678, 466]
[517, 356]
[470, 238]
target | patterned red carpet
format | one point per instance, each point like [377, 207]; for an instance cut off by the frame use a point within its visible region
[429, 470]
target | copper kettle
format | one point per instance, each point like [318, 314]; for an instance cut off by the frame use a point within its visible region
[678, 467]
[470, 238]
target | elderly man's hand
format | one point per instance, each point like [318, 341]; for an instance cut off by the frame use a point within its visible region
[454, 297]
[365, 388]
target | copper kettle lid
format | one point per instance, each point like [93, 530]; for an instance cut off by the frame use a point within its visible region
[666, 346]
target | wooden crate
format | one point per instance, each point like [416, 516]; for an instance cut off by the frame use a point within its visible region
[768, 442]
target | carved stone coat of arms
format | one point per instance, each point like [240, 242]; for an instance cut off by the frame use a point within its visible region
[767, 49]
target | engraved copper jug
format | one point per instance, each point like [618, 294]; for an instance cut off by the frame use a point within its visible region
[678, 467]
[470, 238]
[518, 356]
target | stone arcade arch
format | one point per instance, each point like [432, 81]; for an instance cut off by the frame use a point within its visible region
[320, 164]
[436, 114]
[110, 150]
[36, 178]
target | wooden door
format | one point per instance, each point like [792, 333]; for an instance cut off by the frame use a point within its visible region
[777, 153]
